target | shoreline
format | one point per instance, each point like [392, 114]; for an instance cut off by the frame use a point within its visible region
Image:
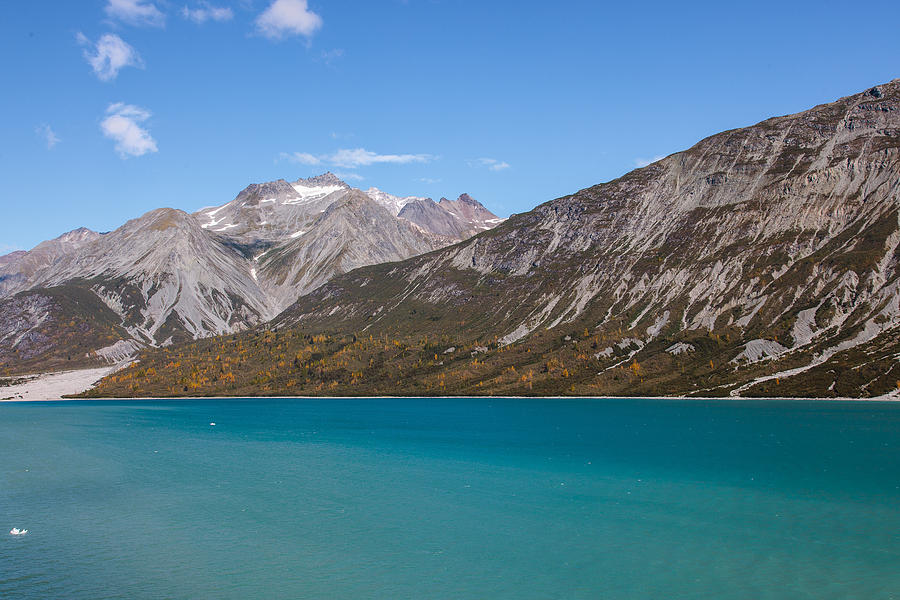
[51, 387]
[48, 387]
[890, 398]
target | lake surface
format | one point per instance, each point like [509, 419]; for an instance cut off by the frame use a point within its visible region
[450, 498]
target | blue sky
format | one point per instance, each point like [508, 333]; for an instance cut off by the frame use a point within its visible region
[111, 108]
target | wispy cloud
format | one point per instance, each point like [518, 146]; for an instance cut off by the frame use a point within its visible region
[48, 135]
[491, 163]
[207, 12]
[135, 12]
[122, 125]
[350, 176]
[329, 57]
[355, 158]
[360, 157]
[428, 180]
[643, 162]
[109, 55]
[302, 158]
[286, 18]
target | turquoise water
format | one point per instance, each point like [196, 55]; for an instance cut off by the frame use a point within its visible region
[450, 498]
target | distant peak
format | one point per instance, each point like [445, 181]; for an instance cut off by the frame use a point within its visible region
[78, 232]
[267, 187]
[327, 178]
[78, 235]
[161, 219]
[463, 199]
[166, 213]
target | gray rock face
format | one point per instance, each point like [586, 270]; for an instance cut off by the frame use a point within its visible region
[299, 235]
[431, 217]
[323, 180]
[456, 219]
[788, 228]
[11, 257]
[353, 231]
[468, 210]
[172, 276]
[17, 269]
[20, 326]
[167, 277]
[47, 329]
[268, 213]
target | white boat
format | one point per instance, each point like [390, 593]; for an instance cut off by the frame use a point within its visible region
[17, 531]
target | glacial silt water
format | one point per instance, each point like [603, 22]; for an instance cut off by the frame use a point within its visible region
[450, 498]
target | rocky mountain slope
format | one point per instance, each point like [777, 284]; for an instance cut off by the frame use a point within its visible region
[456, 219]
[324, 248]
[17, 268]
[761, 261]
[170, 276]
[55, 329]
[298, 235]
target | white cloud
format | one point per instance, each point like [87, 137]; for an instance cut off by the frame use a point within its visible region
[207, 12]
[285, 18]
[109, 55]
[349, 176]
[48, 135]
[491, 163]
[428, 180]
[360, 157]
[135, 12]
[303, 158]
[122, 126]
[643, 162]
[355, 158]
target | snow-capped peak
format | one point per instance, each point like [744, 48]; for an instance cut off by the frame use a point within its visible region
[394, 204]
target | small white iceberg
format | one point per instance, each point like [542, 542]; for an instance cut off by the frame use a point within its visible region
[17, 531]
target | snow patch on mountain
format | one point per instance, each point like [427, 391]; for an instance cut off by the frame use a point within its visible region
[394, 204]
[310, 193]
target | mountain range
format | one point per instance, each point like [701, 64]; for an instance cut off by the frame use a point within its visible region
[170, 276]
[762, 261]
